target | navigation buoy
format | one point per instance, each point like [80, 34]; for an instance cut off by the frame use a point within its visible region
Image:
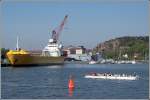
[71, 83]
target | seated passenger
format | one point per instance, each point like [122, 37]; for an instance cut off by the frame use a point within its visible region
[95, 74]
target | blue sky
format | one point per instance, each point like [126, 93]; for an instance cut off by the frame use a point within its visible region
[88, 23]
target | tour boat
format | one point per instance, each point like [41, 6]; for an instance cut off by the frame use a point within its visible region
[110, 76]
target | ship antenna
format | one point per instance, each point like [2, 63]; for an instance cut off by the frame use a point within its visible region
[17, 45]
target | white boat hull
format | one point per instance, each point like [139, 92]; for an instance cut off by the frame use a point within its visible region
[112, 77]
[92, 62]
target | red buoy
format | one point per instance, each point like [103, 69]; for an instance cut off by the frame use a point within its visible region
[71, 83]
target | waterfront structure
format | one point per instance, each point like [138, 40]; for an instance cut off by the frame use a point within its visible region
[77, 53]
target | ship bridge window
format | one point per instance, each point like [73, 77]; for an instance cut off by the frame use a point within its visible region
[46, 53]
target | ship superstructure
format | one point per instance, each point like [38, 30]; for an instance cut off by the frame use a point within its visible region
[53, 47]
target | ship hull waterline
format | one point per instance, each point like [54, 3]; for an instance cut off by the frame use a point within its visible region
[34, 60]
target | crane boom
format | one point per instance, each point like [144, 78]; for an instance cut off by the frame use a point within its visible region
[56, 32]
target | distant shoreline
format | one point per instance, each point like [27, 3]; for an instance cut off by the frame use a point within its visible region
[78, 62]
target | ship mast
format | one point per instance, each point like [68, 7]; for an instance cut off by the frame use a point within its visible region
[17, 45]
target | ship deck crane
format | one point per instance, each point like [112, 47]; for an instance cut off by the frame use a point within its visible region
[56, 32]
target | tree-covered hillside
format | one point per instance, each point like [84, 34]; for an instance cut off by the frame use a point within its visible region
[132, 47]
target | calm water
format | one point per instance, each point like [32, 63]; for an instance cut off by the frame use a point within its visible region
[52, 82]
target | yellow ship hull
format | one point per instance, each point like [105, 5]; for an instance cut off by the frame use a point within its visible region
[27, 59]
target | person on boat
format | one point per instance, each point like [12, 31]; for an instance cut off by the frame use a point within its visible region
[123, 74]
[93, 73]
[110, 74]
[104, 74]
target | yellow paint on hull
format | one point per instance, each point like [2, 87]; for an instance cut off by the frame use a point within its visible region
[28, 59]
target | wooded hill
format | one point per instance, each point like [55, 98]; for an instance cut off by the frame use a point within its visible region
[136, 47]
